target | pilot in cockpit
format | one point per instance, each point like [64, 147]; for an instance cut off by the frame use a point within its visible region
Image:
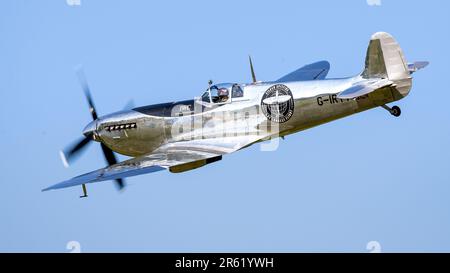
[223, 95]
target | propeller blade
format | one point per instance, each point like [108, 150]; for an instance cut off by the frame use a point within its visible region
[129, 105]
[69, 154]
[111, 159]
[87, 92]
[108, 153]
[120, 183]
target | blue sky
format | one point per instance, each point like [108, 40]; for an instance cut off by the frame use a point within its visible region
[368, 177]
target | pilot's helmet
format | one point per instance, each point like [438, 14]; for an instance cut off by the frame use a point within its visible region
[223, 92]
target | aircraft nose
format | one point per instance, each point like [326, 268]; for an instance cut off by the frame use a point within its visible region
[90, 129]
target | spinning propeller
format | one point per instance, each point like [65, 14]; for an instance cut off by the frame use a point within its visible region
[73, 151]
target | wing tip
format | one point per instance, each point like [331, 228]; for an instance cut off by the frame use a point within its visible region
[64, 159]
[46, 189]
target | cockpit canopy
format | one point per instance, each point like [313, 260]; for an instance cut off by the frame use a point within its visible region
[220, 93]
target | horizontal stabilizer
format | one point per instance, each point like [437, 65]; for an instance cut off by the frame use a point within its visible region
[416, 66]
[364, 87]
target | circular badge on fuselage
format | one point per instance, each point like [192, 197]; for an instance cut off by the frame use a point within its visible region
[277, 103]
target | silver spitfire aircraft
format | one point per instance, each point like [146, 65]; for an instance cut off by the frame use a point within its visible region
[184, 135]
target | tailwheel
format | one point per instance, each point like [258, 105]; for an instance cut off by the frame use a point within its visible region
[395, 110]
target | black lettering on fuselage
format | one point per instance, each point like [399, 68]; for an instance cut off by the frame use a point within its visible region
[334, 98]
[319, 101]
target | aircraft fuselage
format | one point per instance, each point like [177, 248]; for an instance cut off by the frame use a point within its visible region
[301, 105]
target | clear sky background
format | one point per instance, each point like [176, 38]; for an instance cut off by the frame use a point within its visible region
[368, 177]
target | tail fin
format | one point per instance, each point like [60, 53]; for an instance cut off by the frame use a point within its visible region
[385, 59]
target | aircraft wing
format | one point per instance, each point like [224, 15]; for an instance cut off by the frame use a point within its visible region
[314, 71]
[363, 87]
[177, 157]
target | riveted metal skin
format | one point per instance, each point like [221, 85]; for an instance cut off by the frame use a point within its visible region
[184, 135]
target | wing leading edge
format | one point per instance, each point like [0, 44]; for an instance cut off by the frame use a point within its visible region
[314, 71]
[177, 157]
